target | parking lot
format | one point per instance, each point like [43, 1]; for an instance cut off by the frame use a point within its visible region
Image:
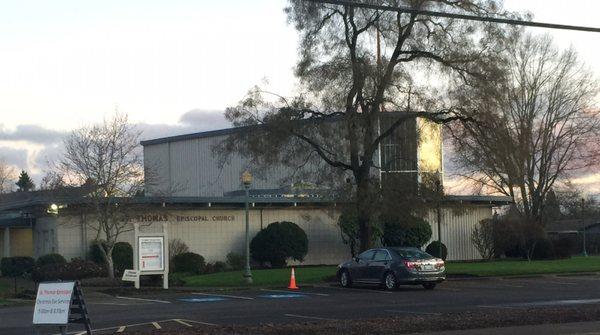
[176, 310]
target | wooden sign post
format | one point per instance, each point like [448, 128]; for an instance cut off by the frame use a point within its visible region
[58, 304]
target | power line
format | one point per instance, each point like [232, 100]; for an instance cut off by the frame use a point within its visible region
[458, 16]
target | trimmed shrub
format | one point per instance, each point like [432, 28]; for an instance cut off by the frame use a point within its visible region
[236, 261]
[409, 231]
[95, 254]
[16, 266]
[278, 242]
[74, 270]
[50, 259]
[122, 254]
[177, 247]
[189, 262]
[434, 250]
[564, 247]
[543, 249]
[220, 266]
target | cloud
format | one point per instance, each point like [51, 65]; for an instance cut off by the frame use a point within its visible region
[31, 133]
[196, 120]
[32, 147]
[205, 119]
[14, 157]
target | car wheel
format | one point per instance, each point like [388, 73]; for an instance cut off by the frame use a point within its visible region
[345, 280]
[429, 286]
[389, 281]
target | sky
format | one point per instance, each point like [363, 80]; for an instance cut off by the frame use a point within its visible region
[172, 66]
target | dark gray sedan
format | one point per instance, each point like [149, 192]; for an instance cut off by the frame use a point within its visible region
[393, 266]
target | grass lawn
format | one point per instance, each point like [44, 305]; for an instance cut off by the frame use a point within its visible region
[311, 275]
[270, 277]
[6, 287]
[518, 267]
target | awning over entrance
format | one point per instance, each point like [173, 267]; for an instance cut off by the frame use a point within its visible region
[16, 222]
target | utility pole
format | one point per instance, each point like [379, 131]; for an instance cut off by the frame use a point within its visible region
[584, 253]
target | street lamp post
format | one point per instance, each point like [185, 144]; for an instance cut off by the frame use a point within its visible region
[247, 181]
[438, 189]
[584, 253]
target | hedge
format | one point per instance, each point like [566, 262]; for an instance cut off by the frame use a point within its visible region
[278, 242]
[16, 266]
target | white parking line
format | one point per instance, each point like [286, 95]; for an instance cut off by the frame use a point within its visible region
[296, 291]
[309, 317]
[182, 322]
[142, 299]
[198, 322]
[120, 329]
[224, 296]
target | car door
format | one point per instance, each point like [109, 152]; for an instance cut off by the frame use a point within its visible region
[378, 265]
[358, 270]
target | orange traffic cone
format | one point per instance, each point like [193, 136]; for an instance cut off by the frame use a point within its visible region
[293, 281]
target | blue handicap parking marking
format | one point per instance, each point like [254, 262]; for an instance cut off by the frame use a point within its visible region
[195, 300]
[282, 296]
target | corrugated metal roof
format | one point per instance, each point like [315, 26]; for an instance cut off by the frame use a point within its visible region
[571, 225]
[256, 197]
[481, 199]
[203, 134]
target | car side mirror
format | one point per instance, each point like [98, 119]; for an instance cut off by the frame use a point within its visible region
[357, 260]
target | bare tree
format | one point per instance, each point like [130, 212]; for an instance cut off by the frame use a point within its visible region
[354, 65]
[107, 157]
[7, 176]
[540, 125]
[52, 180]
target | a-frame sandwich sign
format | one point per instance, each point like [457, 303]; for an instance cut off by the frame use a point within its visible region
[58, 304]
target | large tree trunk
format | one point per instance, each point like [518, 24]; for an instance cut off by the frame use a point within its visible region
[364, 211]
[108, 262]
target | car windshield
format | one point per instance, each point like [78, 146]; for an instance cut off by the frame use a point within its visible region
[412, 253]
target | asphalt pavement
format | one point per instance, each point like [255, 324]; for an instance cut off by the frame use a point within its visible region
[170, 310]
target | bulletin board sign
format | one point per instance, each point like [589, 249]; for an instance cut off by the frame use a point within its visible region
[150, 255]
[151, 251]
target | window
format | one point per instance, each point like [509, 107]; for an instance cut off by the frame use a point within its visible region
[367, 255]
[398, 150]
[382, 255]
[412, 253]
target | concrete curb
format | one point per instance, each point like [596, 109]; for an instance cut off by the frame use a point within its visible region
[538, 275]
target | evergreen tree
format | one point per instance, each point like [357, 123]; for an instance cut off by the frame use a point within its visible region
[25, 183]
[551, 210]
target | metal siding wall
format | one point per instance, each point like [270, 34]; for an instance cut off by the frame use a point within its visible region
[156, 166]
[184, 160]
[457, 228]
[194, 169]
